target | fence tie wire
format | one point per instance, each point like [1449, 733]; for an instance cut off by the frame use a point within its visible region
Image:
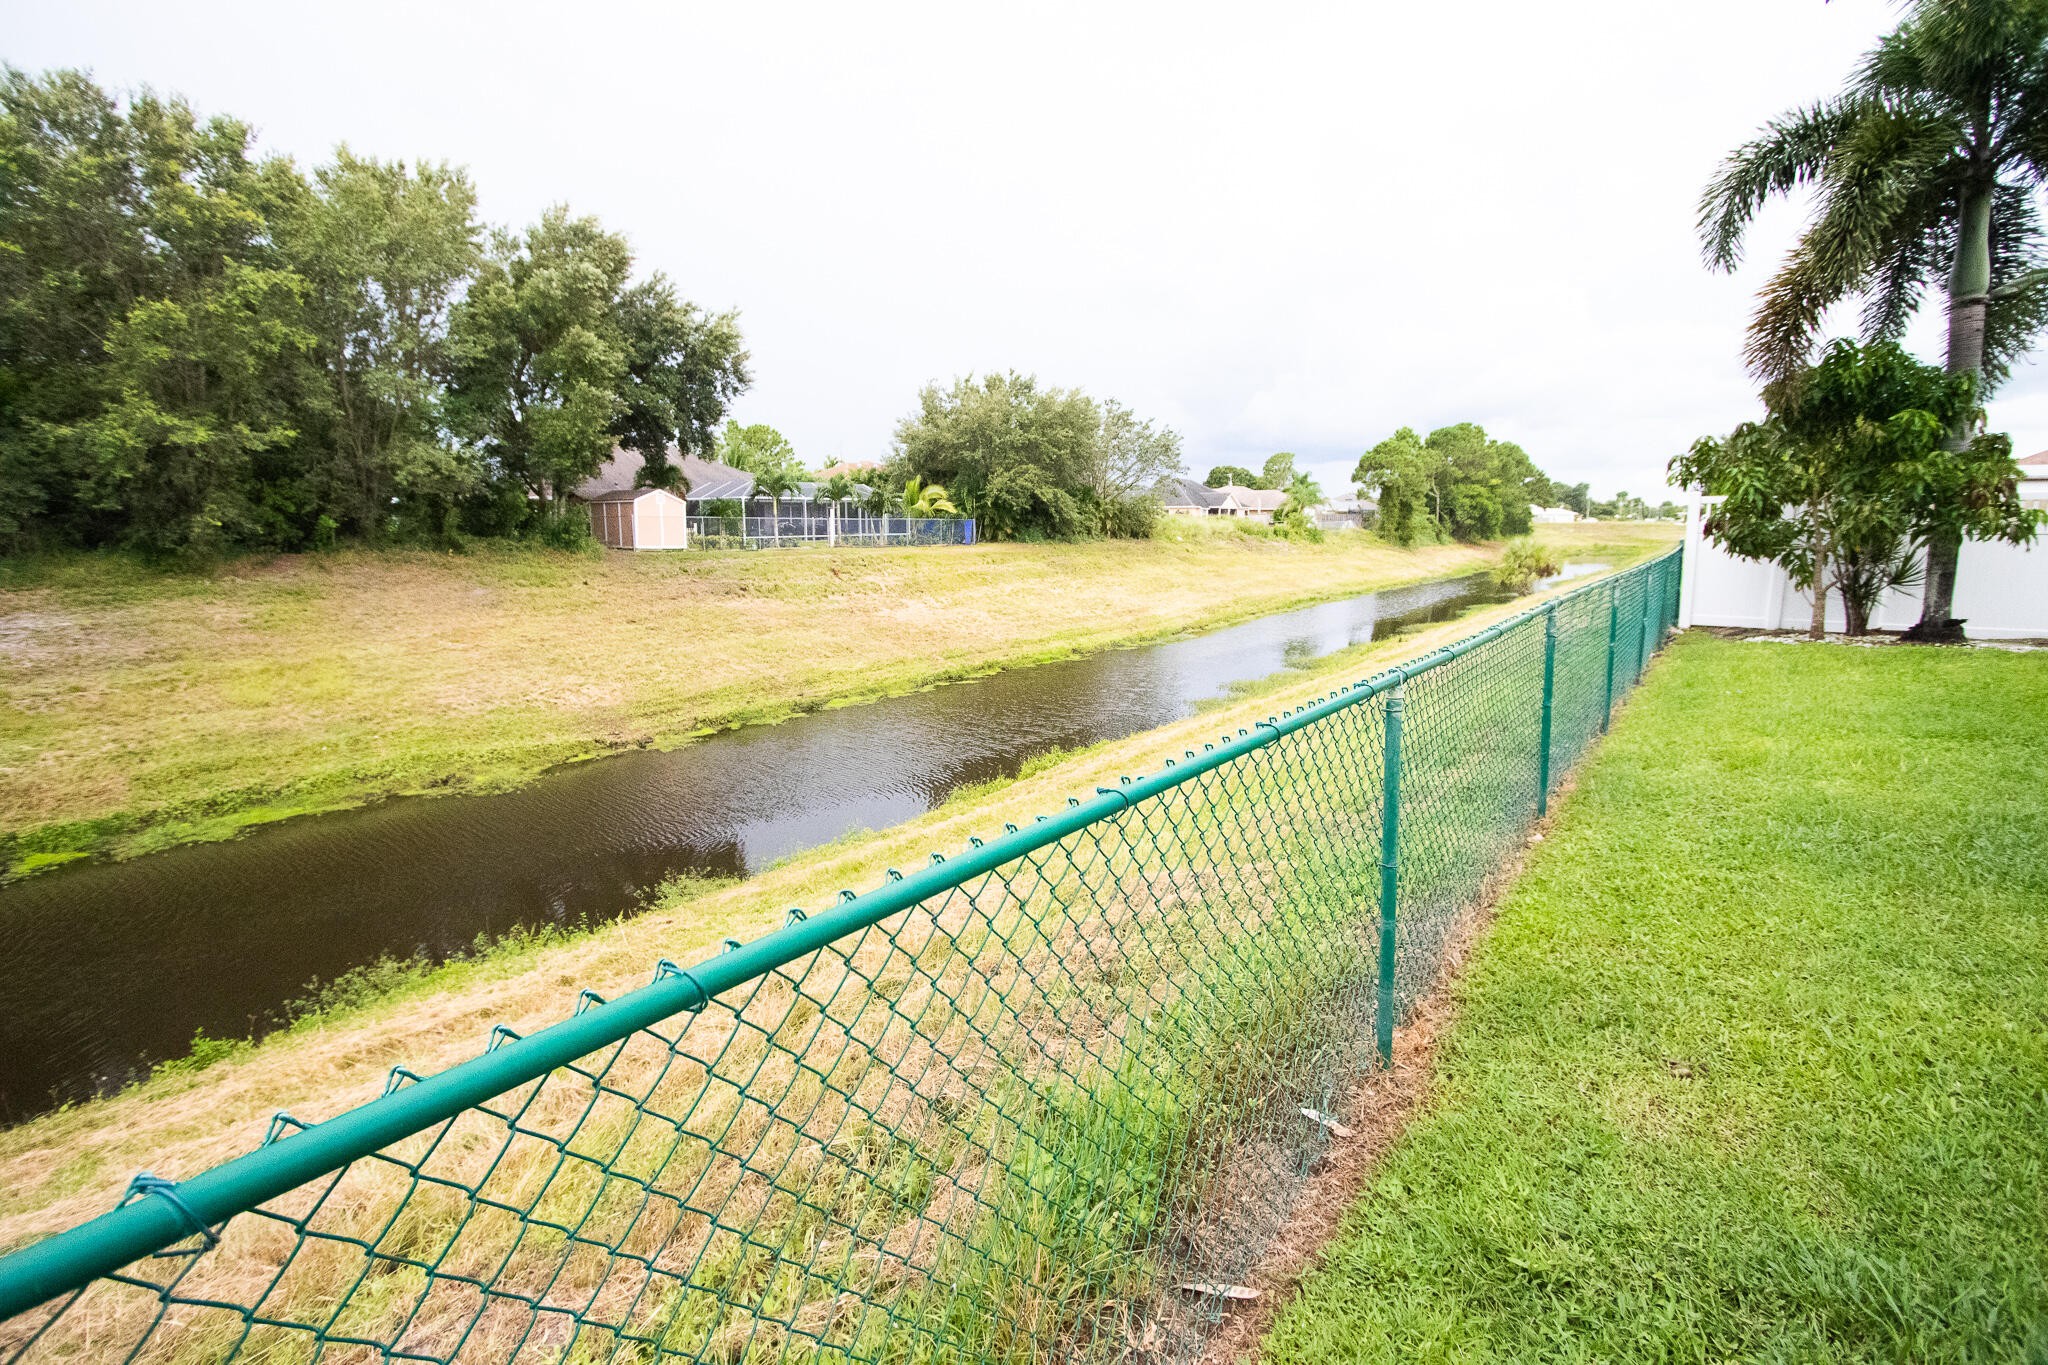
[145, 1184]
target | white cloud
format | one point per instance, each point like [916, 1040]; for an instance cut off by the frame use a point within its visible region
[1295, 227]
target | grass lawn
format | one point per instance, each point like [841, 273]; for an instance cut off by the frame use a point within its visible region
[1754, 1064]
[145, 708]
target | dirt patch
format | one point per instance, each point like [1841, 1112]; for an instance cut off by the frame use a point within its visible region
[1377, 1113]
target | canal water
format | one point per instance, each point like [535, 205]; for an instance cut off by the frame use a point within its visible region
[110, 967]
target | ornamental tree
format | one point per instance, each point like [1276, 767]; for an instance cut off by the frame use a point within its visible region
[1852, 472]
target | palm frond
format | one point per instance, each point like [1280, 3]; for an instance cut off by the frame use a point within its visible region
[1793, 151]
[1876, 192]
[1918, 252]
[2013, 321]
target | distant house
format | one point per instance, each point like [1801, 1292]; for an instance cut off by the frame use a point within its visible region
[1344, 514]
[1550, 514]
[2034, 481]
[1254, 504]
[709, 480]
[852, 469]
[1185, 497]
[627, 516]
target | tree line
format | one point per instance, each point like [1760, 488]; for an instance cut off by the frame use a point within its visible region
[1457, 483]
[1030, 461]
[204, 348]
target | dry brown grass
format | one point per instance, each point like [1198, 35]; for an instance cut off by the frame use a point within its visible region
[60, 1168]
[144, 708]
[1379, 1110]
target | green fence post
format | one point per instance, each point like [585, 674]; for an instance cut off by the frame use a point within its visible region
[1549, 694]
[1390, 865]
[1613, 612]
[1649, 629]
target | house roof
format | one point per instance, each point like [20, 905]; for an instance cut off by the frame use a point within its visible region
[2039, 461]
[707, 478]
[1180, 491]
[849, 468]
[1251, 499]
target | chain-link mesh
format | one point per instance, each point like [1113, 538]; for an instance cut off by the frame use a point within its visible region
[1015, 1118]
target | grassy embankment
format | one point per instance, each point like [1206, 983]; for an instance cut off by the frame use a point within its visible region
[1754, 1064]
[67, 1165]
[147, 708]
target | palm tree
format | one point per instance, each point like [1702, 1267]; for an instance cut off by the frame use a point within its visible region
[1924, 166]
[1303, 492]
[922, 499]
[775, 485]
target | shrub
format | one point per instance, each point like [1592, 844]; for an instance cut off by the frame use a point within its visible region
[1523, 563]
[566, 530]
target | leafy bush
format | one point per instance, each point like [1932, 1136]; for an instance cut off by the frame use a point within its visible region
[1524, 562]
[568, 530]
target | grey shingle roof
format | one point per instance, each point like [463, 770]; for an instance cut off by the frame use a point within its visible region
[1181, 491]
[708, 478]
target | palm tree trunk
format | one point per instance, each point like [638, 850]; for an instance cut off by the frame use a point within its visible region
[1969, 287]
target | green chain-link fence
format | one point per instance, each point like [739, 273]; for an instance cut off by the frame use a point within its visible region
[1011, 1106]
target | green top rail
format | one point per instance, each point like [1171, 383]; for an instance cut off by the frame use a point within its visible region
[166, 1213]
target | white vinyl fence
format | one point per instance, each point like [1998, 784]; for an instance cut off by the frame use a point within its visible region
[2001, 591]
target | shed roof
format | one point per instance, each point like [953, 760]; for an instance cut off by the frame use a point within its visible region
[631, 495]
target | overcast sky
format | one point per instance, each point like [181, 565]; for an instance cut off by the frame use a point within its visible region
[1271, 227]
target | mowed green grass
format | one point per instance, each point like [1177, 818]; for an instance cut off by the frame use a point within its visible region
[1754, 1064]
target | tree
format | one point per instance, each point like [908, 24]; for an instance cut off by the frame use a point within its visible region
[153, 354]
[881, 499]
[1925, 167]
[73, 261]
[1832, 485]
[200, 348]
[1398, 470]
[1130, 457]
[1578, 497]
[205, 367]
[384, 250]
[1303, 493]
[1017, 457]
[683, 369]
[1459, 482]
[539, 356]
[1225, 474]
[1279, 470]
[775, 485]
[758, 449]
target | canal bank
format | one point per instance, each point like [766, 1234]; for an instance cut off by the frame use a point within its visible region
[66, 1164]
[147, 707]
[118, 966]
